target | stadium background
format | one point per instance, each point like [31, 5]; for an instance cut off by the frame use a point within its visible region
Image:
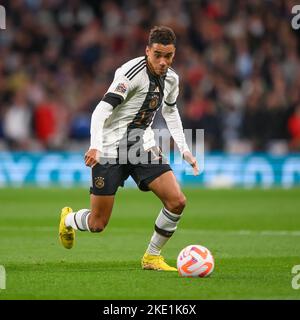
[239, 66]
[238, 63]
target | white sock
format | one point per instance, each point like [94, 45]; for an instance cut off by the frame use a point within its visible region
[156, 243]
[165, 226]
[78, 220]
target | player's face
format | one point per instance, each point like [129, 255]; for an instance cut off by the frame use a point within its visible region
[160, 57]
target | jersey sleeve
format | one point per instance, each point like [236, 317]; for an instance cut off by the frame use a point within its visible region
[171, 97]
[102, 112]
[118, 90]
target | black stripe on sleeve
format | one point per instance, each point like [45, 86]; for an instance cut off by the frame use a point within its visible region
[137, 71]
[131, 70]
[170, 104]
[172, 70]
[113, 99]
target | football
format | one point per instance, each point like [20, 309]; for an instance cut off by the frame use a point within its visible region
[195, 261]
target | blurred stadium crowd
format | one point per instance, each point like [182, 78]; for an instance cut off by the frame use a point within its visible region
[238, 63]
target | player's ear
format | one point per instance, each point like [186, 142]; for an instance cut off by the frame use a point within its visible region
[147, 51]
[174, 51]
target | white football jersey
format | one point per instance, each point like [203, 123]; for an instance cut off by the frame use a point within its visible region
[136, 94]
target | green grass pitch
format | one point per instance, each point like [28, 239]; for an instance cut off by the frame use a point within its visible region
[254, 236]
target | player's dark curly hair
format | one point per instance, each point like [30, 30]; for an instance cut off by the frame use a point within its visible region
[163, 35]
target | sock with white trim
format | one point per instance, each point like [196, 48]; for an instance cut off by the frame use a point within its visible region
[165, 226]
[78, 220]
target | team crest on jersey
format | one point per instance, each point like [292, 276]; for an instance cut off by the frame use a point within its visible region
[121, 88]
[99, 182]
[153, 102]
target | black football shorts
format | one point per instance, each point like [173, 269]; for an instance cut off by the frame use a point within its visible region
[107, 177]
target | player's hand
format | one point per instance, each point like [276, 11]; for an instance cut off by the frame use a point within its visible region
[189, 158]
[91, 157]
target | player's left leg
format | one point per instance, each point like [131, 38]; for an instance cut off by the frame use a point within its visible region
[168, 190]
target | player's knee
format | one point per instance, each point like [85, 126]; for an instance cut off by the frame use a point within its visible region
[181, 202]
[177, 204]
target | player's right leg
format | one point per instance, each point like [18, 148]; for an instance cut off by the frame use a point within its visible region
[92, 220]
[105, 181]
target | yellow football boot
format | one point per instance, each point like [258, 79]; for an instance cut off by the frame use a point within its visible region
[150, 262]
[66, 234]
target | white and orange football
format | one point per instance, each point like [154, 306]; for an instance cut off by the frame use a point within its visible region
[195, 261]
